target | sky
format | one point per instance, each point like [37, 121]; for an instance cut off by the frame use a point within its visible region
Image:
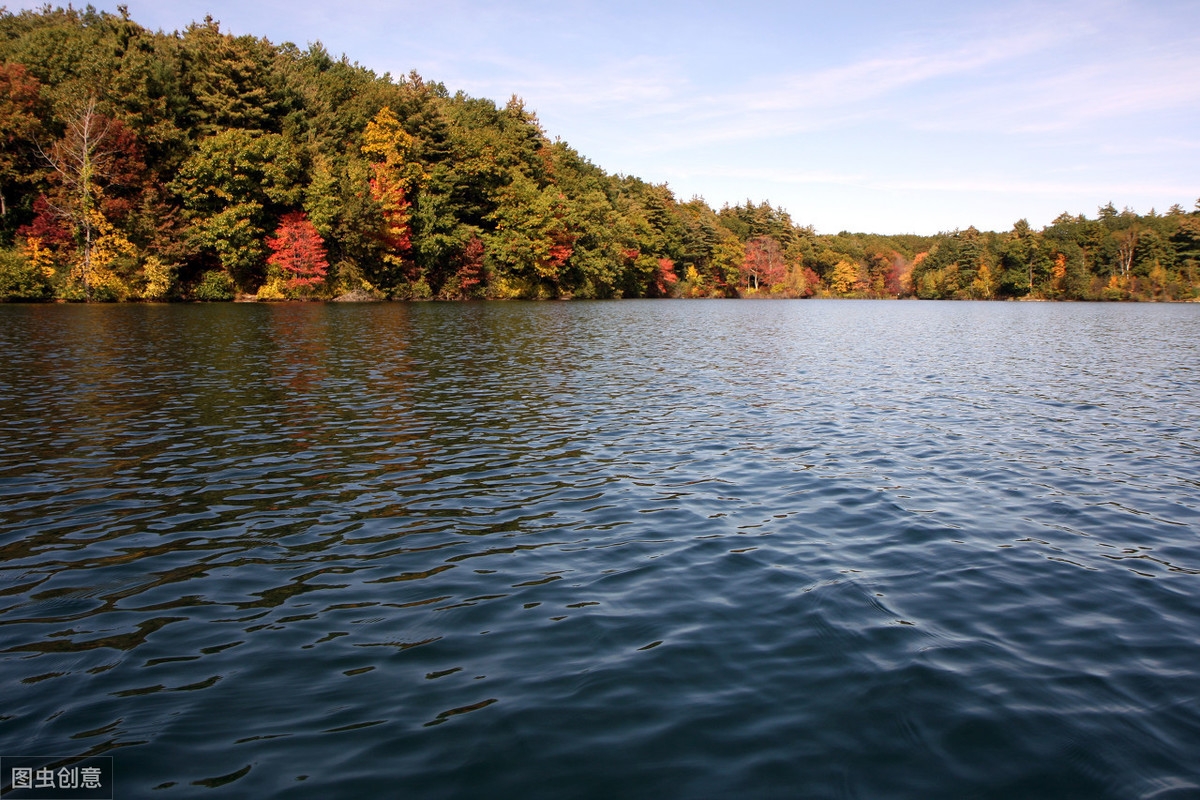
[881, 117]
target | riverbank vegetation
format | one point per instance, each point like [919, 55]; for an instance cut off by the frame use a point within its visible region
[140, 165]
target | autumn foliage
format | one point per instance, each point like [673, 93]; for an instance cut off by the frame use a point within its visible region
[470, 266]
[19, 125]
[664, 277]
[764, 264]
[396, 209]
[298, 250]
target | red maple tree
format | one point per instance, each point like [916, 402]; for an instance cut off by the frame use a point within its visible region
[664, 278]
[298, 250]
[46, 226]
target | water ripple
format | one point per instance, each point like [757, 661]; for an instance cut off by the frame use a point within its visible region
[605, 549]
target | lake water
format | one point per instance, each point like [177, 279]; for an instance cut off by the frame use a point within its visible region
[637, 549]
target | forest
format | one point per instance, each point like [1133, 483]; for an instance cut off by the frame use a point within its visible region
[197, 165]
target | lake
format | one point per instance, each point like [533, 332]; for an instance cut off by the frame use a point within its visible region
[634, 549]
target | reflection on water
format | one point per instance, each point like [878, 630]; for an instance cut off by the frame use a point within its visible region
[699, 549]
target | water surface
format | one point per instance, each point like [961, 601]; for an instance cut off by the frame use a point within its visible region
[635, 549]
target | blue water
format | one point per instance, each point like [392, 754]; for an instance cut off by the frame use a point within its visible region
[639, 549]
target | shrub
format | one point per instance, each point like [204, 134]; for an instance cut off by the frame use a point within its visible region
[20, 281]
[214, 286]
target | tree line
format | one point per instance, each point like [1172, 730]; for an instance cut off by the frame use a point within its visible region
[198, 165]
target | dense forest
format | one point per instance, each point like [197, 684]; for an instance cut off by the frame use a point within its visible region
[197, 165]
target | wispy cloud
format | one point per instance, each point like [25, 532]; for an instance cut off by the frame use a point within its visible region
[636, 87]
[1003, 79]
[1072, 97]
[658, 89]
[876, 77]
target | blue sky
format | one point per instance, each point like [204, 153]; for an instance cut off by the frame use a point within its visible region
[865, 116]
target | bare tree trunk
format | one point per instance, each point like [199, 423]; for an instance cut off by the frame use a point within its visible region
[78, 159]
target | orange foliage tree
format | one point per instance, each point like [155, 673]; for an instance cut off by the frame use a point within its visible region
[19, 126]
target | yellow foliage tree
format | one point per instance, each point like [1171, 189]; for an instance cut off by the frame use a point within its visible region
[40, 258]
[984, 285]
[845, 277]
[159, 277]
[1158, 278]
[390, 146]
[111, 254]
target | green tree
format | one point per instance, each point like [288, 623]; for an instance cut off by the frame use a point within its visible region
[532, 240]
[228, 80]
[233, 188]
